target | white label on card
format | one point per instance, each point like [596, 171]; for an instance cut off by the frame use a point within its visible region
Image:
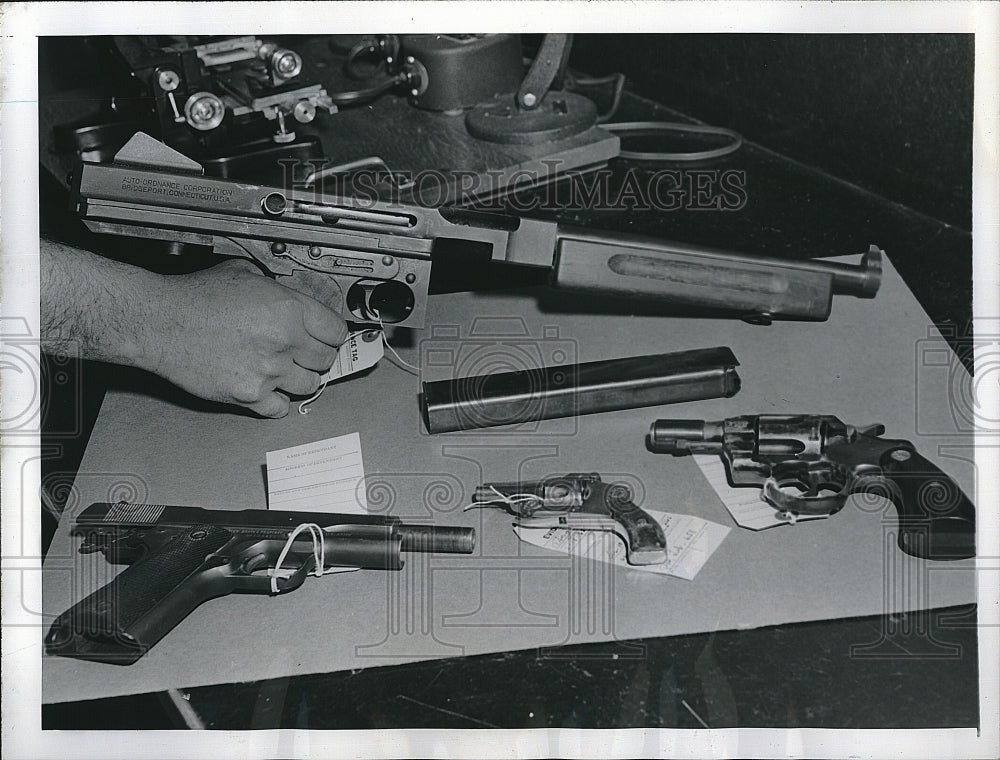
[325, 476]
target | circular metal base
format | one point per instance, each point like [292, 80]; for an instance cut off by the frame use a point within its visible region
[561, 114]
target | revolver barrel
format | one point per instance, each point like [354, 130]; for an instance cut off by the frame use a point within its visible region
[685, 436]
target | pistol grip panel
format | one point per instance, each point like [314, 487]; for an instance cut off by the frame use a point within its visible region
[119, 622]
[646, 543]
[936, 519]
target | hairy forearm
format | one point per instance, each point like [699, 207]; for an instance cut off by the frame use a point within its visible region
[226, 333]
[97, 308]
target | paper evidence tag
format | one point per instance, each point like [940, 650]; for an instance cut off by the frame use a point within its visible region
[690, 542]
[746, 505]
[324, 476]
[361, 350]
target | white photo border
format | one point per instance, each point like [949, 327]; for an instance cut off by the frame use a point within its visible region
[22, 23]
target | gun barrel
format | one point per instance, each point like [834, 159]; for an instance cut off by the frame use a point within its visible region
[674, 436]
[445, 539]
[861, 280]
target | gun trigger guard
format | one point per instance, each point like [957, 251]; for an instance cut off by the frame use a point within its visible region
[794, 505]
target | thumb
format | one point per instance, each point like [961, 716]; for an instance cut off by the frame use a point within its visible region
[240, 264]
[273, 405]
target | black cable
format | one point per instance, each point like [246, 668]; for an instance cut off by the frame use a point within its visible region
[653, 127]
[575, 80]
[358, 97]
[351, 63]
[616, 99]
[385, 50]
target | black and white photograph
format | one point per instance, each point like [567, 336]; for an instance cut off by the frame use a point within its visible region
[459, 379]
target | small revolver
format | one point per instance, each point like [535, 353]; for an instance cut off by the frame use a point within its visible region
[580, 501]
[808, 464]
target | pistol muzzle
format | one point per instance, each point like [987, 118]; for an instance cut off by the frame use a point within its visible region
[444, 539]
[861, 280]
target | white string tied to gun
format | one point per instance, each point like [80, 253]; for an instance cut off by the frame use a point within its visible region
[318, 549]
[385, 339]
[511, 500]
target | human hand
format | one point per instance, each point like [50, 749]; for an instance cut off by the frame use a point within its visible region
[231, 334]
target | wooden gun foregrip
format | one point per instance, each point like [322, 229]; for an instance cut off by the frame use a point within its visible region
[753, 287]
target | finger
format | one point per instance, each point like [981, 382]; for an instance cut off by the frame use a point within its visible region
[323, 324]
[314, 354]
[299, 382]
[273, 405]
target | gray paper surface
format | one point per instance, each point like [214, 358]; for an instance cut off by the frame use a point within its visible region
[873, 361]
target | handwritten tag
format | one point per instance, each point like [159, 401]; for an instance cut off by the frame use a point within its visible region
[690, 542]
[746, 505]
[325, 476]
[361, 350]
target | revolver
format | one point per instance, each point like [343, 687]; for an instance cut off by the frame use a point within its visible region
[808, 464]
[371, 259]
[580, 501]
[179, 557]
